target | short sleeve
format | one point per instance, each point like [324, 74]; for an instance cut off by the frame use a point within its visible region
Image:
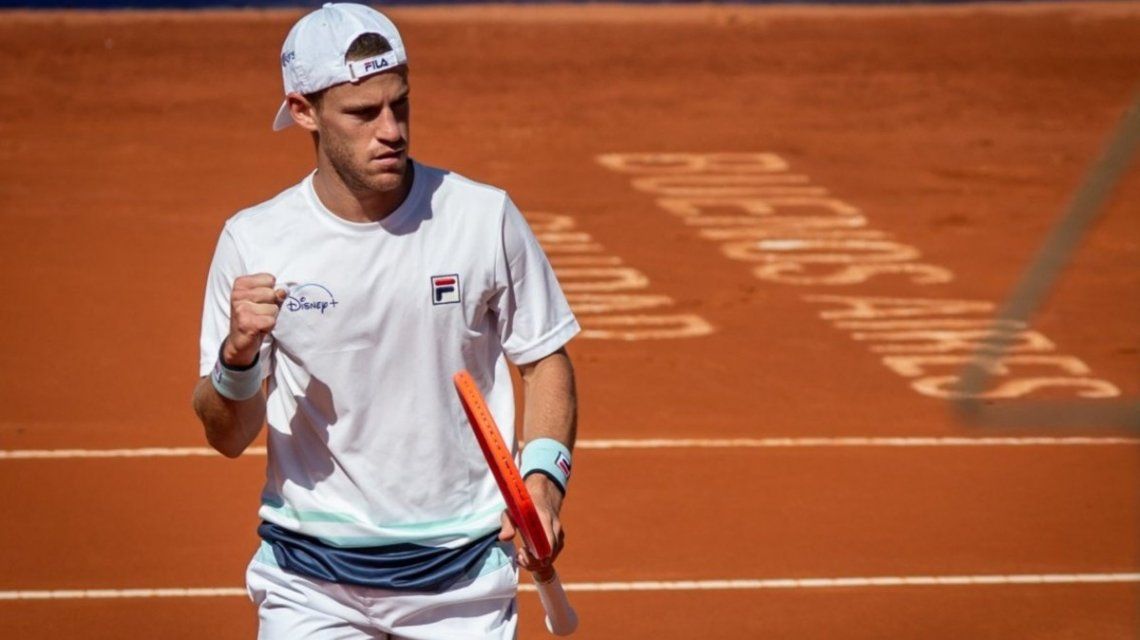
[226, 266]
[534, 318]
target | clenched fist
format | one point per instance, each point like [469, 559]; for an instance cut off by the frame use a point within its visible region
[254, 305]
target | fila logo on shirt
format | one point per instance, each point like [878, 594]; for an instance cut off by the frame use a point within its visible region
[445, 289]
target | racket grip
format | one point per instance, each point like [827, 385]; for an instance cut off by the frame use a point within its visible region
[560, 617]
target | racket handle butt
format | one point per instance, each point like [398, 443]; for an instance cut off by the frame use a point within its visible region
[561, 620]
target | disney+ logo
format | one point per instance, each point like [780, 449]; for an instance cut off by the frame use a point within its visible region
[314, 298]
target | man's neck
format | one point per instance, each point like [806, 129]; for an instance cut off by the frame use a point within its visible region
[358, 205]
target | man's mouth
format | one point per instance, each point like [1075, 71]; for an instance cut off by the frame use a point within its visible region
[390, 158]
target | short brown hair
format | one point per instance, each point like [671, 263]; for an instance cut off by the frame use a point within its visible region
[367, 45]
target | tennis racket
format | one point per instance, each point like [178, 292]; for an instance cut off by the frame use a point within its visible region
[560, 617]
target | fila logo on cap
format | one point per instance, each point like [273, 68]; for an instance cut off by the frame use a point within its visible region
[445, 289]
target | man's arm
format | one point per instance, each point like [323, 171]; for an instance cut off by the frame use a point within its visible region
[232, 424]
[550, 410]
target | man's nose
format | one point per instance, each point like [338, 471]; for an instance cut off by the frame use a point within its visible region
[388, 126]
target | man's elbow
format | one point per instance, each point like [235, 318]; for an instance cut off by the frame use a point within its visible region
[556, 364]
[220, 439]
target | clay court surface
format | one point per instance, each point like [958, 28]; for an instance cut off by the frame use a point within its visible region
[957, 134]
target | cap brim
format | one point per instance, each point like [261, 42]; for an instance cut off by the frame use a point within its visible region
[284, 117]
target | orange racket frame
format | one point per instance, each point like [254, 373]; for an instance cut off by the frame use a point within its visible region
[560, 617]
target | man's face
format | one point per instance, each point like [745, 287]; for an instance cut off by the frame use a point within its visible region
[363, 131]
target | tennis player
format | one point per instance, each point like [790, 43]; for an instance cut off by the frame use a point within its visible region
[337, 312]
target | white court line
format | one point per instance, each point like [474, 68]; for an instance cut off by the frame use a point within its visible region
[837, 583]
[652, 585]
[96, 594]
[655, 443]
[778, 443]
[145, 452]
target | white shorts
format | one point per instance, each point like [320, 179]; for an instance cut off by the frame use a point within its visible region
[292, 607]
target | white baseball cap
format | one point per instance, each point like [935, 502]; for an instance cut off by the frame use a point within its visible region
[312, 57]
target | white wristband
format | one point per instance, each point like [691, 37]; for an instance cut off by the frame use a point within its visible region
[550, 458]
[236, 384]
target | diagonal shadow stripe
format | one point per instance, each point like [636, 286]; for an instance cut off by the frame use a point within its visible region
[1083, 210]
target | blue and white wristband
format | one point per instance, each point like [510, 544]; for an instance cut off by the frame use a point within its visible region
[241, 383]
[550, 458]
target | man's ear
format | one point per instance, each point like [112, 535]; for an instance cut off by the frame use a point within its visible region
[304, 112]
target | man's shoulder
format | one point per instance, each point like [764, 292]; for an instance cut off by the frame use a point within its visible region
[454, 186]
[269, 210]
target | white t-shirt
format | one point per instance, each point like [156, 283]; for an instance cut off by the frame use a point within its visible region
[368, 444]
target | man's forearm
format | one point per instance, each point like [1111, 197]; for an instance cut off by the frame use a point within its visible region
[550, 411]
[550, 400]
[230, 425]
